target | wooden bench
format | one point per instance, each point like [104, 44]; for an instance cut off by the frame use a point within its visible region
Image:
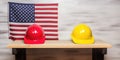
[99, 48]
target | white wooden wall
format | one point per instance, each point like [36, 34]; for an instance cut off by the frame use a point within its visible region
[103, 16]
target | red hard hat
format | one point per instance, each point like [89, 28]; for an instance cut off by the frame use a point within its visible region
[34, 35]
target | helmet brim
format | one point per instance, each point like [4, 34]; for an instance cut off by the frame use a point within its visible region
[40, 41]
[83, 41]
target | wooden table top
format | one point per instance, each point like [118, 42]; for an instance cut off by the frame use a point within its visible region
[59, 44]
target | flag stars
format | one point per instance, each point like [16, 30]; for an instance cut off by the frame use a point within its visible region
[21, 12]
[10, 9]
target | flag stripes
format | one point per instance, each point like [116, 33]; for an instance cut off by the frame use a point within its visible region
[13, 38]
[47, 4]
[46, 12]
[46, 17]
[46, 9]
[20, 30]
[29, 25]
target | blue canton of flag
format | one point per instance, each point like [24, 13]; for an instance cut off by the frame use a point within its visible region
[21, 13]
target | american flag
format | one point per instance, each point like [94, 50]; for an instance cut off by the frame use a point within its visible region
[22, 15]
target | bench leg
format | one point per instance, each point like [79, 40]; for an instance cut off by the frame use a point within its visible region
[20, 53]
[98, 53]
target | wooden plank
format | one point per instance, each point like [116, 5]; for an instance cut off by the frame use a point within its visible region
[59, 54]
[59, 44]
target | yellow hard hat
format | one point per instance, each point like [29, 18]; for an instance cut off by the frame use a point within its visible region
[82, 34]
